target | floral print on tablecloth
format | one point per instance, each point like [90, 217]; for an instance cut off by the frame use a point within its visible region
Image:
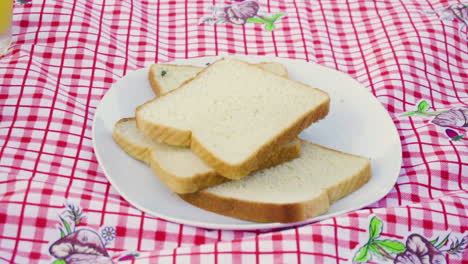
[415, 250]
[455, 11]
[240, 13]
[83, 245]
[454, 120]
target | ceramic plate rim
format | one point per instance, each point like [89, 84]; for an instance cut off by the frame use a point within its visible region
[253, 225]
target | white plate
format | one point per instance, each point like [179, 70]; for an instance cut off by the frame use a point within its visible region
[357, 123]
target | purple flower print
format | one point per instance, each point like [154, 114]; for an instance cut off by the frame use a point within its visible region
[241, 12]
[82, 246]
[238, 13]
[453, 135]
[87, 258]
[461, 12]
[455, 117]
[456, 11]
[420, 251]
[108, 234]
[417, 250]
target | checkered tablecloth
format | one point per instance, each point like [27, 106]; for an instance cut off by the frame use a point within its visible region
[412, 55]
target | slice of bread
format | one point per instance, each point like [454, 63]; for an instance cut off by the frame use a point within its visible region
[167, 77]
[293, 191]
[178, 168]
[233, 115]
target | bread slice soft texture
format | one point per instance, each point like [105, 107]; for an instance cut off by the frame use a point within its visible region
[167, 77]
[177, 167]
[233, 115]
[293, 191]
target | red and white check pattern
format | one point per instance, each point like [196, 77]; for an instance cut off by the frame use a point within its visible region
[66, 54]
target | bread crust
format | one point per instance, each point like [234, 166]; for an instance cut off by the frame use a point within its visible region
[177, 137]
[158, 89]
[252, 163]
[155, 86]
[199, 181]
[258, 211]
[275, 212]
[135, 151]
[285, 70]
[183, 185]
[165, 134]
[153, 73]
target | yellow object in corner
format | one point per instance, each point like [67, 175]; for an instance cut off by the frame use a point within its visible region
[6, 8]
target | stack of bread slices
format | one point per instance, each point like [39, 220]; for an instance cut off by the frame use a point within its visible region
[224, 138]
